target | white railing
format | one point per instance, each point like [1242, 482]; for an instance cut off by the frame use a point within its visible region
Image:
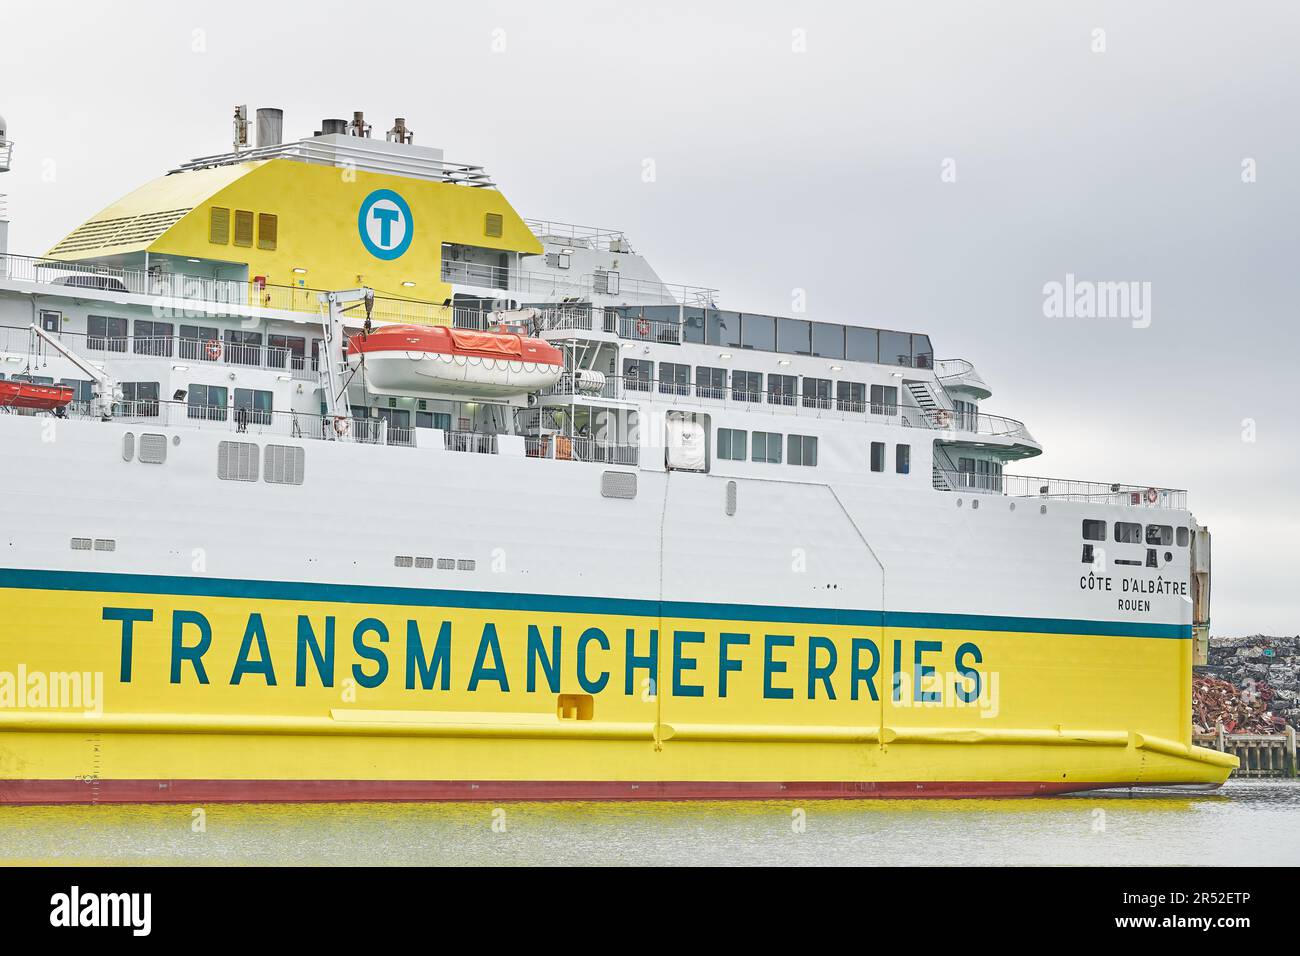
[1065, 489]
[585, 237]
[566, 448]
[177, 297]
[482, 443]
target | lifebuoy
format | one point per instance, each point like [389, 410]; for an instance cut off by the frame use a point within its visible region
[1152, 496]
[642, 327]
[213, 348]
[341, 426]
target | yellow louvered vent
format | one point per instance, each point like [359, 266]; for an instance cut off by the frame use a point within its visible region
[268, 227]
[493, 224]
[126, 231]
[243, 227]
[219, 226]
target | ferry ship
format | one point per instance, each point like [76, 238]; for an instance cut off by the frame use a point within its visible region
[329, 476]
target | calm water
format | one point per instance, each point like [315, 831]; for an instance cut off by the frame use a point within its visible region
[1243, 823]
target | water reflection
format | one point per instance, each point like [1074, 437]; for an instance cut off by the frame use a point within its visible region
[1242, 823]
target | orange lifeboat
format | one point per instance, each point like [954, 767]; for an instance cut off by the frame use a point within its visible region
[29, 395]
[412, 359]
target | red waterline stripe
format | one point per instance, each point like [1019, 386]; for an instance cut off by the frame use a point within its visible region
[342, 791]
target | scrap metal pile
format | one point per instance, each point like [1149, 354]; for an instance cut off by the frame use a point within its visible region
[1217, 702]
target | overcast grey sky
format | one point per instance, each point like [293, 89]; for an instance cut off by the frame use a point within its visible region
[812, 160]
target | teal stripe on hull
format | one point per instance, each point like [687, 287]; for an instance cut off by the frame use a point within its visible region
[32, 579]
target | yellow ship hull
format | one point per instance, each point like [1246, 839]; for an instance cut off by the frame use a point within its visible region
[195, 689]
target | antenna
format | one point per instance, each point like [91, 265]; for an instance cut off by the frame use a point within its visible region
[241, 127]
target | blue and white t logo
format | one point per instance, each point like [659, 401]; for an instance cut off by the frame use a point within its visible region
[385, 224]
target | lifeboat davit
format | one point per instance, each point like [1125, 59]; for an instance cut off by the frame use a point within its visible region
[411, 359]
[29, 395]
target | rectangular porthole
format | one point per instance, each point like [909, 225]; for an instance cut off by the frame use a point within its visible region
[105, 544]
[81, 544]
[466, 564]
[403, 561]
[424, 562]
[446, 564]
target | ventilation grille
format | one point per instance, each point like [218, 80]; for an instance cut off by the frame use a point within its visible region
[493, 224]
[237, 461]
[126, 231]
[219, 226]
[128, 446]
[283, 464]
[80, 544]
[153, 448]
[243, 227]
[731, 497]
[268, 228]
[618, 484]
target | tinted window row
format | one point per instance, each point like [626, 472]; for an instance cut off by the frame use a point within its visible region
[744, 386]
[769, 333]
[736, 444]
[1130, 532]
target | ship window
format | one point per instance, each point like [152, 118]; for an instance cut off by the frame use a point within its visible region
[252, 406]
[50, 320]
[733, 444]
[747, 386]
[243, 348]
[781, 389]
[902, 459]
[710, 382]
[152, 338]
[286, 351]
[722, 328]
[1182, 537]
[493, 224]
[194, 341]
[243, 227]
[895, 348]
[1126, 532]
[767, 447]
[219, 226]
[758, 332]
[637, 374]
[851, 396]
[828, 340]
[268, 230]
[802, 450]
[206, 402]
[1087, 554]
[922, 353]
[817, 393]
[884, 399]
[1160, 534]
[877, 456]
[140, 399]
[1152, 560]
[105, 333]
[674, 379]
[1094, 530]
[794, 336]
[861, 345]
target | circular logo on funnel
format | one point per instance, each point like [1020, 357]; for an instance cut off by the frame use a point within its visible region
[385, 224]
